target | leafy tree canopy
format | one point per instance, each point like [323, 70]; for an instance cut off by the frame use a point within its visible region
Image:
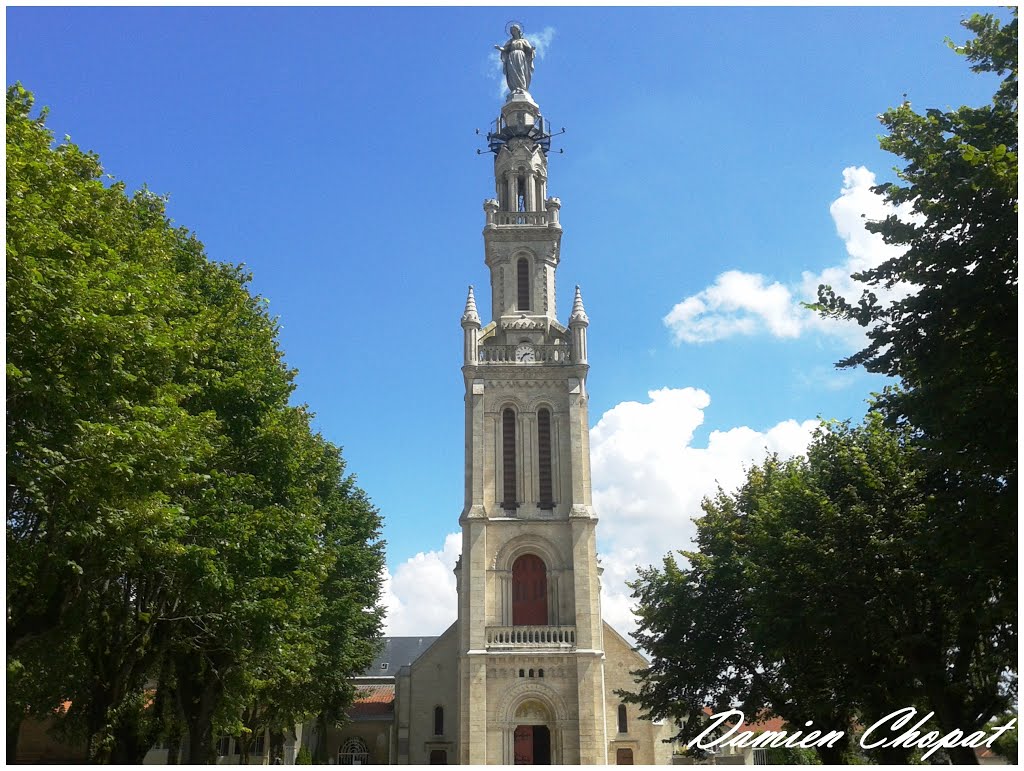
[172, 519]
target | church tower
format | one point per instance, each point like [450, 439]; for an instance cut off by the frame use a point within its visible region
[529, 673]
[531, 665]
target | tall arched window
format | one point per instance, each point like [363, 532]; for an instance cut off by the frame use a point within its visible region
[523, 284]
[529, 592]
[508, 457]
[547, 498]
[623, 726]
[438, 721]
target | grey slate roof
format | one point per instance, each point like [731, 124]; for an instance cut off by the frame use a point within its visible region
[397, 652]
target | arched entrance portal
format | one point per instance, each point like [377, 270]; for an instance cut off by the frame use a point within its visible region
[532, 745]
[531, 739]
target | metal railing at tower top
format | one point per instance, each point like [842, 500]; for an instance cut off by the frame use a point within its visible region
[539, 131]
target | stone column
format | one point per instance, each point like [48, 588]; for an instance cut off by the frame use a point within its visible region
[510, 185]
[592, 728]
[475, 462]
[506, 598]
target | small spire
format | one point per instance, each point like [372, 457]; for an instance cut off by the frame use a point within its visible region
[470, 316]
[579, 315]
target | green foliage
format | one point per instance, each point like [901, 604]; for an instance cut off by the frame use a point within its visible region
[1006, 745]
[820, 591]
[304, 756]
[171, 518]
[952, 341]
[791, 756]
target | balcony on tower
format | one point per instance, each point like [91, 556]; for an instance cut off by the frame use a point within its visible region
[531, 637]
[546, 217]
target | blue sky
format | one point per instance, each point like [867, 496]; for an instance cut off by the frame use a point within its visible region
[333, 151]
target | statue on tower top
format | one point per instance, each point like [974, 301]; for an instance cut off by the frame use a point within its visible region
[517, 60]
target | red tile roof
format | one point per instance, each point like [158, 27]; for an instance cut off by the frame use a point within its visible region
[768, 724]
[373, 701]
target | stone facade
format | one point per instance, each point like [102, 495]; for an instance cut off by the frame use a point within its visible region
[528, 672]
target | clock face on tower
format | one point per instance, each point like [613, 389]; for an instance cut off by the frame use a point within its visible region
[524, 353]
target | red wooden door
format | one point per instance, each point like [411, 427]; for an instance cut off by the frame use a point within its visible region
[529, 591]
[524, 745]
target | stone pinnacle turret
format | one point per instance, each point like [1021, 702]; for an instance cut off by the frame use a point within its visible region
[470, 315]
[579, 313]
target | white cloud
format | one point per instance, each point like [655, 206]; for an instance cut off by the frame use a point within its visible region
[420, 597]
[541, 42]
[741, 303]
[649, 480]
[737, 303]
[648, 483]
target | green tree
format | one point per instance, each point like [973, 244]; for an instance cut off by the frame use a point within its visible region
[98, 441]
[1006, 745]
[709, 644]
[820, 591]
[171, 517]
[952, 341]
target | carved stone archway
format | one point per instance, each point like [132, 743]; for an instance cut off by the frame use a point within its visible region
[533, 704]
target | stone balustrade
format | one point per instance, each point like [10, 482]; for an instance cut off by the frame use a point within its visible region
[506, 354]
[504, 218]
[515, 637]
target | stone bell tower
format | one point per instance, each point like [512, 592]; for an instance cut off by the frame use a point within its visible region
[530, 636]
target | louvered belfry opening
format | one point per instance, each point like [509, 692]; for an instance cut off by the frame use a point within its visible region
[547, 498]
[508, 453]
[523, 284]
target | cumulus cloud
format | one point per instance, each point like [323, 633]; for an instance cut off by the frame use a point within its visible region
[737, 303]
[420, 597]
[649, 480]
[541, 42]
[740, 303]
[648, 483]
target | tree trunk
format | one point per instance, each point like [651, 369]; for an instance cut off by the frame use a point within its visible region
[963, 756]
[129, 747]
[15, 717]
[320, 754]
[276, 745]
[199, 692]
[244, 742]
[833, 756]
[173, 750]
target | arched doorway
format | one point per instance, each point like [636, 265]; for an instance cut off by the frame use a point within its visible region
[531, 738]
[532, 745]
[529, 591]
